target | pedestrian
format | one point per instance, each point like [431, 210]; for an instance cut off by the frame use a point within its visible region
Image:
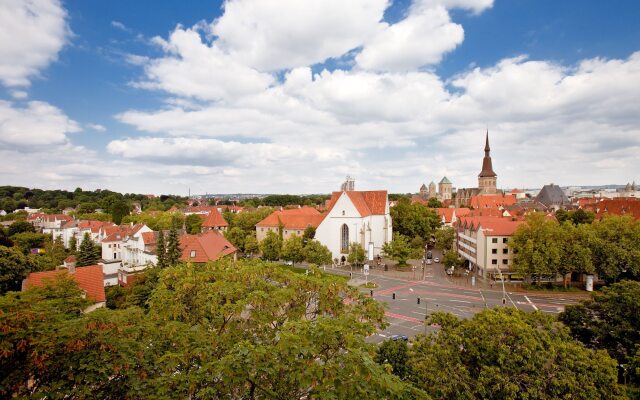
[491, 283]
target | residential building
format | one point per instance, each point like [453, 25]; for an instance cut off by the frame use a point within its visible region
[621, 206]
[214, 221]
[360, 217]
[483, 243]
[90, 279]
[292, 222]
[450, 216]
[113, 246]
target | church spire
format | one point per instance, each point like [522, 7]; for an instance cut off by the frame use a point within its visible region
[487, 167]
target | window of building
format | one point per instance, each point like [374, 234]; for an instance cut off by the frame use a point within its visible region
[494, 240]
[505, 261]
[505, 240]
[494, 251]
[344, 238]
[342, 212]
[109, 246]
[261, 229]
[494, 261]
[193, 254]
[505, 251]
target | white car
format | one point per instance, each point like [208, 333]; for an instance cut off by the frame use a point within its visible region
[428, 261]
[436, 260]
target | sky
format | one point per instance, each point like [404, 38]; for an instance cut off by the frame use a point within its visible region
[290, 96]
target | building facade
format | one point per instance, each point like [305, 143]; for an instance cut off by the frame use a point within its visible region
[487, 180]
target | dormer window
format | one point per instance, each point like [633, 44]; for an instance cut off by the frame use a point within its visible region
[193, 254]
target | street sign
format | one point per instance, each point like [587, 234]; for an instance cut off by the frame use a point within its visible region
[366, 269]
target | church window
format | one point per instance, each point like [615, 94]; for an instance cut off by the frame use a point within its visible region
[344, 238]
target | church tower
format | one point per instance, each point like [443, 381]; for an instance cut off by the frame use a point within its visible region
[487, 179]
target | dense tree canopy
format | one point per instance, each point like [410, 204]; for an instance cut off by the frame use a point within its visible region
[245, 330]
[398, 249]
[504, 353]
[610, 320]
[413, 220]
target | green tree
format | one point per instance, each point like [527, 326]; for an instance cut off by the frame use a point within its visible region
[616, 248]
[293, 249]
[251, 244]
[452, 259]
[20, 227]
[14, 267]
[55, 249]
[316, 253]
[119, 210]
[193, 222]
[537, 246]
[161, 251]
[308, 234]
[394, 353]
[237, 237]
[173, 248]
[398, 249]
[413, 220]
[271, 246]
[86, 253]
[609, 321]
[73, 245]
[29, 240]
[445, 237]
[356, 254]
[434, 203]
[505, 353]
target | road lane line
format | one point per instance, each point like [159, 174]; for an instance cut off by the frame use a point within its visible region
[531, 303]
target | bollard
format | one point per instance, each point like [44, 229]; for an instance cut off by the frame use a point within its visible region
[418, 300]
[393, 296]
[350, 275]
[371, 293]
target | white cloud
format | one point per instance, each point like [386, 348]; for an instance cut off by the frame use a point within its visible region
[38, 123]
[272, 35]
[96, 127]
[32, 32]
[19, 94]
[476, 6]
[120, 26]
[192, 68]
[420, 39]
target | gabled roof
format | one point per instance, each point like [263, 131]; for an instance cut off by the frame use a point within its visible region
[90, 279]
[448, 213]
[121, 233]
[208, 246]
[296, 218]
[214, 219]
[92, 225]
[445, 181]
[492, 226]
[367, 203]
[552, 195]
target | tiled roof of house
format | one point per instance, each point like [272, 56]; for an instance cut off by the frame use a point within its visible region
[419, 200]
[204, 247]
[92, 225]
[492, 226]
[367, 203]
[486, 212]
[448, 213]
[552, 195]
[214, 219]
[620, 206]
[120, 233]
[492, 201]
[90, 279]
[56, 217]
[296, 218]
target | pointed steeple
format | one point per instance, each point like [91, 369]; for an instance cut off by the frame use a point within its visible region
[487, 167]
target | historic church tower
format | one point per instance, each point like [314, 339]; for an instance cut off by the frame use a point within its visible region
[487, 179]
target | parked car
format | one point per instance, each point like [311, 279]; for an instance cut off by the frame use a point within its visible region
[436, 260]
[429, 261]
[403, 338]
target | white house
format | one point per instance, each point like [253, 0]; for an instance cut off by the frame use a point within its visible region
[356, 217]
[113, 245]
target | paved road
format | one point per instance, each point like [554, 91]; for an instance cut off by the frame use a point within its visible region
[439, 293]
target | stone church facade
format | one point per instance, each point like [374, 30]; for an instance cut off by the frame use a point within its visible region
[487, 180]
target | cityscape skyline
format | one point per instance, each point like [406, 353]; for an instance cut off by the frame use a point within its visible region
[241, 97]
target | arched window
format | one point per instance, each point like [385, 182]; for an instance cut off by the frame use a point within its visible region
[344, 238]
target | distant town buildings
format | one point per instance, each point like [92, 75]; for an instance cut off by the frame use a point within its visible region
[444, 192]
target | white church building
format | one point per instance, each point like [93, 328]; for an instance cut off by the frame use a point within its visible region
[356, 217]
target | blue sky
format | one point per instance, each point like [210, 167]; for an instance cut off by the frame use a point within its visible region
[275, 97]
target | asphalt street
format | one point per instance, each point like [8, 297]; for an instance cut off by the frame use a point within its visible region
[439, 293]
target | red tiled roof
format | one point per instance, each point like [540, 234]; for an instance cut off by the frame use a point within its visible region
[621, 206]
[69, 224]
[367, 203]
[214, 219]
[208, 246]
[149, 238]
[56, 217]
[448, 213]
[199, 209]
[492, 226]
[486, 212]
[492, 201]
[90, 279]
[419, 200]
[296, 218]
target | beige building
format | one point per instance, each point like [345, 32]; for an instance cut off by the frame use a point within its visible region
[483, 242]
[291, 222]
[443, 193]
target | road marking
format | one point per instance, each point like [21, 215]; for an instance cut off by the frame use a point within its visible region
[483, 299]
[382, 335]
[403, 317]
[461, 301]
[531, 303]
